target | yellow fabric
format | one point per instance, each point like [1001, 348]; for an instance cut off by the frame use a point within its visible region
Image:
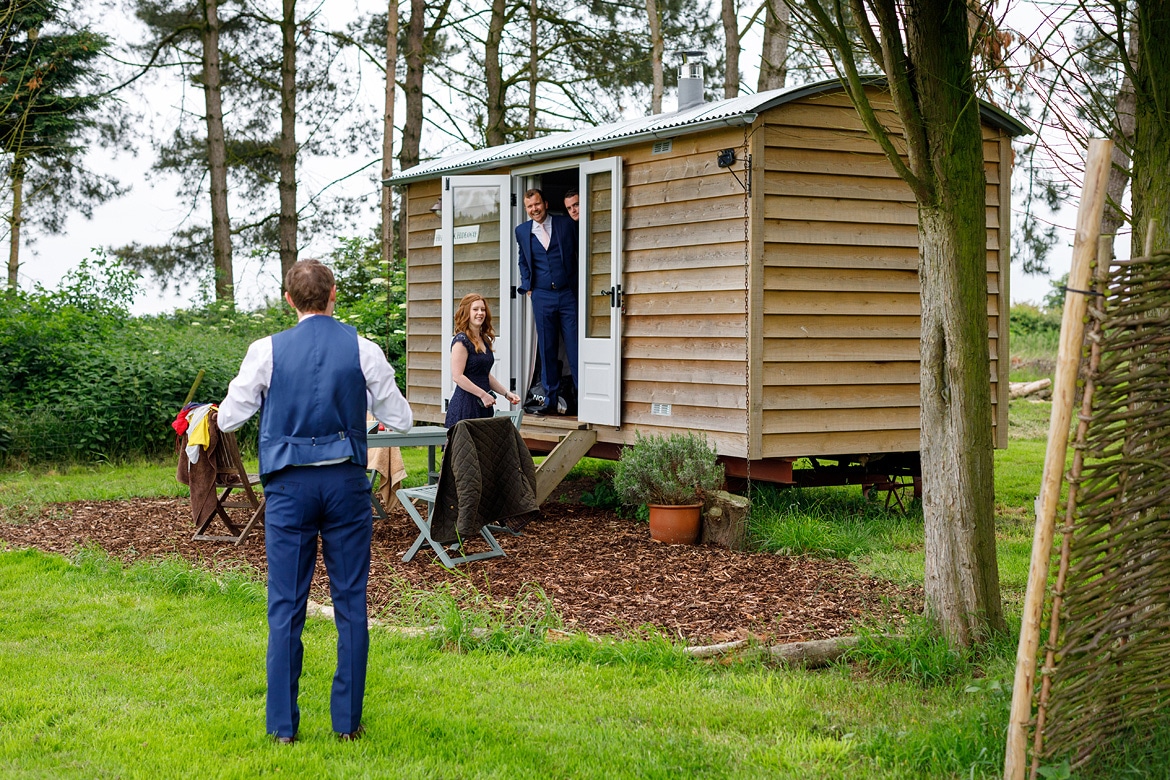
[199, 433]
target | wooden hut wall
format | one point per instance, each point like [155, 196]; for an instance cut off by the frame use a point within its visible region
[424, 369]
[841, 306]
[684, 280]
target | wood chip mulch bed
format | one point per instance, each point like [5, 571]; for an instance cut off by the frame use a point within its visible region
[603, 574]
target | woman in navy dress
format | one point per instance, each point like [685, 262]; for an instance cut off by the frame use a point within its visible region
[471, 363]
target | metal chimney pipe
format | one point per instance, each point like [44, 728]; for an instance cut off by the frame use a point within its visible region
[690, 79]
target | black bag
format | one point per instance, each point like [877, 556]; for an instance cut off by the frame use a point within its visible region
[536, 398]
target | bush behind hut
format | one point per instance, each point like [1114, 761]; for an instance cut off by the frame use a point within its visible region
[82, 379]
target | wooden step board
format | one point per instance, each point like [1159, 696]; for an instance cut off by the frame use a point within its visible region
[561, 460]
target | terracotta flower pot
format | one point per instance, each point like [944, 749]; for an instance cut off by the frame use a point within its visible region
[674, 524]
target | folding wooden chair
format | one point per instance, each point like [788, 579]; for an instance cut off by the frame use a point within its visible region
[232, 478]
[452, 555]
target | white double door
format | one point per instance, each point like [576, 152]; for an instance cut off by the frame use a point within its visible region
[479, 255]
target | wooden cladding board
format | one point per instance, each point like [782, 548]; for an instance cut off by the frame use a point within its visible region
[423, 278]
[841, 318]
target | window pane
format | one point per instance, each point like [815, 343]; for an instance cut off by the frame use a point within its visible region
[597, 254]
[476, 245]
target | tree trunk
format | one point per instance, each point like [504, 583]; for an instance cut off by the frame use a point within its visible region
[656, 53]
[774, 54]
[533, 72]
[14, 224]
[388, 135]
[221, 237]
[493, 77]
[962, 574]
[725, 520]
[288, 139]
[731, 37]
[408, 155]
[1122, 136]
[1151, 148]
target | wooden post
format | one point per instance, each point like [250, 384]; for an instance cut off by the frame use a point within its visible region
[1072, 333]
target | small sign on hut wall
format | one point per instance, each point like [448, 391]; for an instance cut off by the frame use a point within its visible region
[466, 234]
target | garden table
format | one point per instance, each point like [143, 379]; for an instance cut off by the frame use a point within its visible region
[429, 436]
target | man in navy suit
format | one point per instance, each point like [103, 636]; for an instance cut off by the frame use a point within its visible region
[548, 275]
[312, 385]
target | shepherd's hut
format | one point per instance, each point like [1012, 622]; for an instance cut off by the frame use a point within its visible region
[748, 269]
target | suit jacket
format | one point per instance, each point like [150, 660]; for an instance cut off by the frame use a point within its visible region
[564, 233]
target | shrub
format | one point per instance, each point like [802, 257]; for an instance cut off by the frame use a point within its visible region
[679, 469]
[83, 379]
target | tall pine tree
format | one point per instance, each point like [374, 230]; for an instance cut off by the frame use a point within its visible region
[45, 110]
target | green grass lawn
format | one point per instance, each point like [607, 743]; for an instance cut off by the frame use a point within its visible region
[157, 670]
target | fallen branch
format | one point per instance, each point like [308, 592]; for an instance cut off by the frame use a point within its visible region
[1022, 389]
[810, 655]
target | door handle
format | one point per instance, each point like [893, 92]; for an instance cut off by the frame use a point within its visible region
[615, 295]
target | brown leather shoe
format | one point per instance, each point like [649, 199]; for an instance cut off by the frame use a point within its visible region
[284, 740]
[352, 735]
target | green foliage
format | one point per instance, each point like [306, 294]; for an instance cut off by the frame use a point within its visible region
[82, 379]
[49, 101]
[603, 496]
[1054, 301]
[834, 522]
[467, 619]
[675, 469]
[1035, 338]
[1030, 325]
[917, 652]
[372, 297]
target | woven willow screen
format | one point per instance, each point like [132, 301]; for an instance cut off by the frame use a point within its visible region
[1107, 665]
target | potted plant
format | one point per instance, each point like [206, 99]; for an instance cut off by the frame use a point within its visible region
[670, 475]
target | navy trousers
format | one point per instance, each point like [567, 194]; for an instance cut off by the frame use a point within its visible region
[301, 504]
[555, 314]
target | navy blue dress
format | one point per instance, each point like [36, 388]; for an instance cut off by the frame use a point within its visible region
[464, 405]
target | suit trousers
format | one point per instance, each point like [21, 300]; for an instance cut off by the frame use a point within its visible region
[555, 314]
[303, 503]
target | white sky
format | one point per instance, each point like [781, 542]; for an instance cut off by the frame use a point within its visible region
[151, 211]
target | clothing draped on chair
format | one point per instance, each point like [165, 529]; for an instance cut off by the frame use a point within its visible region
[214, 477]
[487, 476]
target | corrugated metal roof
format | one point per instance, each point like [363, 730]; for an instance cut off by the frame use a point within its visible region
[732, 112]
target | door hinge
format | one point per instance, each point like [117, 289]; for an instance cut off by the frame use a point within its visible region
[447, 183]
[513, 199]
[513, 292]
[617, 297]
[512, 384]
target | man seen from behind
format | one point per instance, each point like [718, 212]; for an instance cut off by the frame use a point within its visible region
[312, 385]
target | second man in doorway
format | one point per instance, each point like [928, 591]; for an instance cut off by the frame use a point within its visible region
[548, 275]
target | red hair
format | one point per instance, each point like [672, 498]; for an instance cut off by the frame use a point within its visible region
[463, 322]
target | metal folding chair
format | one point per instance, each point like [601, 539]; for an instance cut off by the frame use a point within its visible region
[451, 555]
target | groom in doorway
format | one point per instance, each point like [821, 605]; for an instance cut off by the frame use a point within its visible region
[548, 275]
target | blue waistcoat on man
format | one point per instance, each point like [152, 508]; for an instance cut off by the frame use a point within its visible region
[315, 409]
[549, 269]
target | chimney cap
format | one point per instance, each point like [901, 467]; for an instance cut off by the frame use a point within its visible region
[689, 54]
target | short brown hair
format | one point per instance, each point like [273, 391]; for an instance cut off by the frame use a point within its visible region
[529, 193]
[309, 283]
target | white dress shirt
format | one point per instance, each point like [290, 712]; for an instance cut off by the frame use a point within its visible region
[248, 390]
[542, 233]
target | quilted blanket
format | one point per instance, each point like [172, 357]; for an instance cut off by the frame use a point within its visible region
[487, 477]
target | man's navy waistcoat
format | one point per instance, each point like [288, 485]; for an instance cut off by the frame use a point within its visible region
[315, 409]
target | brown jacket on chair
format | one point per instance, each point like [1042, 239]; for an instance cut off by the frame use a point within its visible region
[201, 475]
[487, 477]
